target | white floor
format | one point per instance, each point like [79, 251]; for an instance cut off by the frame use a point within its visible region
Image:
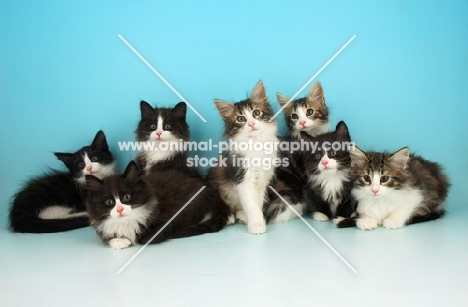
[420, 265]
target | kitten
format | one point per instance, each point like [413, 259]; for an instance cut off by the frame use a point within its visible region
[54, 201]
[328, 172]
[159, 128]
[243, 186]
[308, 114]
[131, 208]
[393, 190]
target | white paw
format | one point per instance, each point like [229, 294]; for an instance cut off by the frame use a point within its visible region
[367, 224]
[393, 223]
[231, 220]
[319, 216]
[338, 219]
[119, 243]
[354, 214]
[241, 217]
[257, 228]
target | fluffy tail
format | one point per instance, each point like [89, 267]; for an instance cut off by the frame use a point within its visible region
[424, 218]
[34, 224]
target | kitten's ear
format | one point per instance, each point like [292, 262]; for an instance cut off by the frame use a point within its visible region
[358, 157]
[100, 141]
[259, 94]
[66, 158]
[283, 100]
[93, 182]
[400, 158]
[180, 109]
[316, 95]
[146, 110]
[342, 132]
[225, 109]
[132, 171]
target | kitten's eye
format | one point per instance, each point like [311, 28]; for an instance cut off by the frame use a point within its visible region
[126, 197]
[367, 179]
[94, 159]
[167, 127]
[384, 179]
[318, 156]
[309, 112]
[153, 127]
[241, 119]
[256, 113]
[81, 165]
[109, 202]
[332, 153]
[294, 116]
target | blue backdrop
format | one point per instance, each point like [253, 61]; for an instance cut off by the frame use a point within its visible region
[65, 73]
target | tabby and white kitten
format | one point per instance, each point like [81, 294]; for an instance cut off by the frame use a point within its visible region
[244, 186]
[54, 201]
[393, 190]
[159, 127]
[328, 171]
[308, 114]
[132, 208]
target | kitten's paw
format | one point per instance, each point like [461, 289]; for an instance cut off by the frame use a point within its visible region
[319, 216]
[231, 220]
[367, 224]
[354, 214]
[257, 228]
[119, 243]
[241, 216]
[338, 219]
[393, 223]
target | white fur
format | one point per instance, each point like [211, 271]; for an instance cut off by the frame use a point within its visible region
[308, 125]
[119, 243]
[96, 169]
[389, 207]
[288, 214]
[126, 224]
[319, 216]
[59, 212]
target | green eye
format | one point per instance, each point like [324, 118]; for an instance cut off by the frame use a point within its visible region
[241, 119]
[126, 197]
[153, 127]
[81, 165]
[367, 179]
[167, 127]
[294, 116]
[384, 179]
[94, 159]
[256, 113]
[318, 156]
[332, 153]
[309, 112]
[109, 202]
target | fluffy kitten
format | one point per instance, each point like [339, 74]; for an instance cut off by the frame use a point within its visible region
[328, 171]
[308, 114]
[393, 190]
[243, 186]
[159, 128]
[54, 201]
[131, 208]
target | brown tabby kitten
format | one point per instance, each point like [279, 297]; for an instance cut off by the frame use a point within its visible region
[308, 114]
[393, 190]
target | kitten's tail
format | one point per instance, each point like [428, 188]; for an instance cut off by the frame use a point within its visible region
[342, 222]
[34, 224]
[424, 218]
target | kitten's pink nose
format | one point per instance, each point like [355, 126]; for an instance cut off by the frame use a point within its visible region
[302, 123]
[324, 162]
[375, 190]
[89, 168]
[120, 209]
[158, 133]
[251, 124]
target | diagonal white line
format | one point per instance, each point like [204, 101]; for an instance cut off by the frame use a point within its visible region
[162, 228]
[312, 228]
[313, 77]
[160, 77]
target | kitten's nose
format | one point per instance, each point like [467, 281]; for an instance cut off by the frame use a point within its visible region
[375, 190]
[251, 124]
[302, 122]
[324, 162]
[120, 209]
[89, 168]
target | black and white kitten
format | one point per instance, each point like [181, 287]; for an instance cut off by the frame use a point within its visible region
[54, 201]
[328, 171]
[243, 181]
[162, 129]
[308, 114]
[394, 190]
[131, 208]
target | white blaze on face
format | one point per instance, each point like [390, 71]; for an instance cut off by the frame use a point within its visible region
[375, 185]
[120, 210]
[327, 164]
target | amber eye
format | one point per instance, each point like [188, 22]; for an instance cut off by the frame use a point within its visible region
[367, 179]
[294, 116]
[241, 119]
[256, 113]
[384, 179]
[94, 159]
[309, 112]
[126, 197]
[109, 202]
[153, 127]
[81, 165]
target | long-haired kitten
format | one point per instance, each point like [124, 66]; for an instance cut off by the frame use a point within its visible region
[54, 201]
[242, 182]
[393, 190]
[132, 208]
[308, 114]
[162, 129]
